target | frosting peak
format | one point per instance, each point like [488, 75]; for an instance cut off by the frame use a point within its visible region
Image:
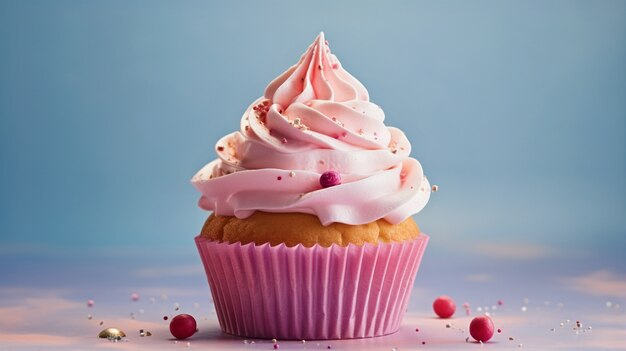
[314, 118]
[317, 76]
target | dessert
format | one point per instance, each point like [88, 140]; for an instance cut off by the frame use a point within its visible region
[310, 235]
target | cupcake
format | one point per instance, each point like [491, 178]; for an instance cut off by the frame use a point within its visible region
[311, 235]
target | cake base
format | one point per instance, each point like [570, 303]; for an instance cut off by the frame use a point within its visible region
[300, 228]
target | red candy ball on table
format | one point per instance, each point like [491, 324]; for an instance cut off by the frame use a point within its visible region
[183, 326]
[444, 306]
[481, 328]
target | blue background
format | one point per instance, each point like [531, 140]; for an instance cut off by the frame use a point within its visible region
[517, 110]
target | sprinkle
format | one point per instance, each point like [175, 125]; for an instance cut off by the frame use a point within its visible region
[608, 304]
[435, 188]
[330, 178]
[524, 309]
[511, 338]
[467, 339]
[276, 346]
[335, 65]
[292, 174]
[320, 67]
[499, 330]
[448, 325]
[329, 347]
[90, 303]
[417, 329]
[90, 317]
[303, 341]
[552, 329]
[134, 296]
[112, 334]
[274, 341]
[423, 342]
[500, 303]
[519, 345]
[165, 318]
[279, 178]
[101, 322]
[188, 344]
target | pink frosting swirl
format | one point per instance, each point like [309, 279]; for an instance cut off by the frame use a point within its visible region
[313, 118]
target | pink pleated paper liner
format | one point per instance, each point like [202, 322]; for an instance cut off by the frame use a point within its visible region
[311, 293]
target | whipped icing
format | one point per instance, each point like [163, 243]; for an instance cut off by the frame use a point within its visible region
[313, 118]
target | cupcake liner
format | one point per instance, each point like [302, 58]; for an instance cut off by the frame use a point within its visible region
[336, 292]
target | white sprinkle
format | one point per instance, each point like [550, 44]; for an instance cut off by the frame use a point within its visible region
[609, 304]
[292, 174]
[524, 308]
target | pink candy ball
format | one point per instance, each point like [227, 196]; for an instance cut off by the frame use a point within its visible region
[183, 326]
[481, 328]
[330, 178]
[134, 296]
[90, 303]
[444, 306]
